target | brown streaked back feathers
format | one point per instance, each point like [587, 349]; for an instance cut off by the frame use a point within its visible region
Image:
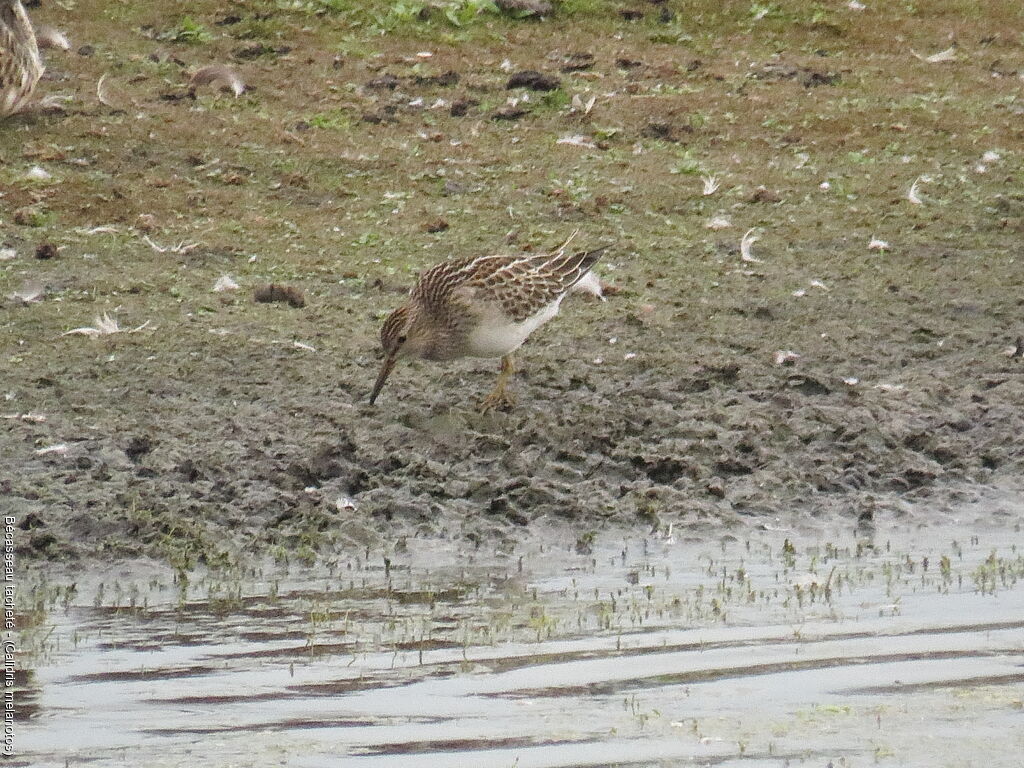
[522, 285]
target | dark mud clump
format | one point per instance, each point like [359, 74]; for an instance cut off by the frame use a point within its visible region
[533, 81]
[284, 294]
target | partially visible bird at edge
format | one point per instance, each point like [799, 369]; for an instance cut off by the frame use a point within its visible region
[20, 64]
[484, 306]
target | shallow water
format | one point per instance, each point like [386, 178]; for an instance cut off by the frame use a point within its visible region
[834, 648]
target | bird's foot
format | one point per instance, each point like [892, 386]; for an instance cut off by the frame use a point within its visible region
[500, 399]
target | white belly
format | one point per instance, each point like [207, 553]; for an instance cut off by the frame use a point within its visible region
[497, 337]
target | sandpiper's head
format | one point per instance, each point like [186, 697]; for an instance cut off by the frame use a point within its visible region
[393, 337]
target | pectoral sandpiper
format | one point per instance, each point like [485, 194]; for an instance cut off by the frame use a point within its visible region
[484, 306]
[20, 65]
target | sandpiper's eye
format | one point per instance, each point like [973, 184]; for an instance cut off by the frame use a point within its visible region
[401, 340]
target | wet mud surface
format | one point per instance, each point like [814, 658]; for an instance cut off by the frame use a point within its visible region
[227, 450]
[861, 357]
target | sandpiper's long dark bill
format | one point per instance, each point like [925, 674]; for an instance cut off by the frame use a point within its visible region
[485, 306]
[385, 371]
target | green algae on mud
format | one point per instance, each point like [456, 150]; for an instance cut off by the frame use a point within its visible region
[225, 429]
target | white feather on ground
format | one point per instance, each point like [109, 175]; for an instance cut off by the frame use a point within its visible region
[939, 58]
[912, 195]
[105, 325]
[219, 76]
[224, 283]
[745, 247]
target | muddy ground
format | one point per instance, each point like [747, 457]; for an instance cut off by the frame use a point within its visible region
[213, 427]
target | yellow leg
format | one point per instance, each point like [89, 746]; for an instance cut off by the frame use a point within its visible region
[501, 397]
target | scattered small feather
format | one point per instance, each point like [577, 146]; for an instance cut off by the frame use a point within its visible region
[60, 449]
[878, 245]
[294, 345]
[37, 173]
[345, 504]
[912, 195]
[991, 157]
[580, 106]
[577, 140]
[851, 381]
[6, 254]
[105, 325]
[181, 247]
[224, 283]
[939, 58]
[102, 94]
[220, 76]
[31, 416]
[718, 222]
[711, 184]
[786, 357]
[854, 5]
[745, 245]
